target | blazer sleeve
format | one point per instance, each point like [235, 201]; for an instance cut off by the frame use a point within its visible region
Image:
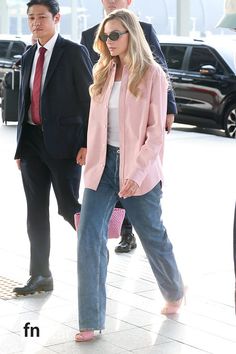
[83, 81]
[155, 131]
[87, 39]
[83, 39]
[160, 59]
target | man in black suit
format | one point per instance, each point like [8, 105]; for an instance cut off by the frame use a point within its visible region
[51, 136]
[128, 241]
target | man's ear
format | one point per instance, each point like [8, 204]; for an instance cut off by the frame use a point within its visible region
[57, 18]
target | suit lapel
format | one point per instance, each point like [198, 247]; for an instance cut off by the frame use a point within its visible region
[29, 57]
[56, 55]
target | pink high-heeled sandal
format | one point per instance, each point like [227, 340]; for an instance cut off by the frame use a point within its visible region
[84, 336]
[173, 307]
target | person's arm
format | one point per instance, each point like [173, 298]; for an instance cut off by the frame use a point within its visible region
[83, 79]
[83, 39]
[87, 39]
[159, 57]
[155, 131]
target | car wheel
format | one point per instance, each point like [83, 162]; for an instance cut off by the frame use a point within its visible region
[230, 122]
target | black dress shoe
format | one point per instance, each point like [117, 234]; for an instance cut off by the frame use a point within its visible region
[35, 284]
[126, 244]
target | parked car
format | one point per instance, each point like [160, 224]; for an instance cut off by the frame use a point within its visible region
[11, 49]
[203, 74]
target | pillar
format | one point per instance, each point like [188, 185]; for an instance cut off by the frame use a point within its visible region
[183, 17]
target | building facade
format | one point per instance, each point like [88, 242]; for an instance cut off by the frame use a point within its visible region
[188, 17]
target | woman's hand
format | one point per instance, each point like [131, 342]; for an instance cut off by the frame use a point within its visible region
[169, 122]
[18, 163]
[128, 189]
[81, 156]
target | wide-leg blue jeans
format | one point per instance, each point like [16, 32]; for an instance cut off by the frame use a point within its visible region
[145, 215]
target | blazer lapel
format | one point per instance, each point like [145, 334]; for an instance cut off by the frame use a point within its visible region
[29, 57]
[56, 55]
[25, 84]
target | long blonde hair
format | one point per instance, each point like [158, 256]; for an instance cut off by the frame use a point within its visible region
[138, 58]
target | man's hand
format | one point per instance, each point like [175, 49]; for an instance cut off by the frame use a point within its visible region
[169, 121]
[81, 156]
[128, 189]
[18, 163]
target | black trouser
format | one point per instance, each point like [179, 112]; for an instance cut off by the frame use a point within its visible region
[40, 171]
[126, 226]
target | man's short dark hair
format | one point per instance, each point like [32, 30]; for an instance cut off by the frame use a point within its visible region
[52, 5]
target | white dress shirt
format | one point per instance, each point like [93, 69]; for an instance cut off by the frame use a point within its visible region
[49, 46]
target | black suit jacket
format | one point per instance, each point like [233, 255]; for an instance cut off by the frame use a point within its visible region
[88, 37]
[65, 99]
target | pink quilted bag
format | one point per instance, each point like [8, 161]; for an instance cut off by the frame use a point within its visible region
[115, 223]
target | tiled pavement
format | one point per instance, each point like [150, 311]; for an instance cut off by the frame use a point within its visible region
[198, 205]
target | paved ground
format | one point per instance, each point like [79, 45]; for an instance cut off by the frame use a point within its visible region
[198, 203]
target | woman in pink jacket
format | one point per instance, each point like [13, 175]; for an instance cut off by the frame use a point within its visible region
[123, 162]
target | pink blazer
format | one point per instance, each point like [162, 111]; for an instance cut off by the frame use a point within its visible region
[142, 131]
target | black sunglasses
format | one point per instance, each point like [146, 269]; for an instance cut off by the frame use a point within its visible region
[113, 36]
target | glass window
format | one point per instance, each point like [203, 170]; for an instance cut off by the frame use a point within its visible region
[3, 48]
[174, 56]
[203, 56]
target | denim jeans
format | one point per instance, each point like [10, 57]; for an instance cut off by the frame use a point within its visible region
[145, 215]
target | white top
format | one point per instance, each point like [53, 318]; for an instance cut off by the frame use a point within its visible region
[49, 46]
[113, 130]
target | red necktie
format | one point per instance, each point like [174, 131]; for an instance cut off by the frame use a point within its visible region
[36, 92]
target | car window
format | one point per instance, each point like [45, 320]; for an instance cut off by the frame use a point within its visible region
[203, 56]
[3, 48]
[174, 55]
[18, 48]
